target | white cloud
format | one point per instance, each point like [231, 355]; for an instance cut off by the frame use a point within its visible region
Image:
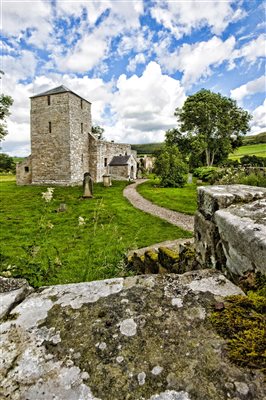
[181, 17]
[21, 66]
[249, 88]
[252, 50]
[138, 59]
[94, 47]
[196, 60]
[20, 15]
[144, 106]
[258, 123]
[89, 52]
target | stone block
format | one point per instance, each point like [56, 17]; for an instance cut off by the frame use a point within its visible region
[213, 198]
[242, 230]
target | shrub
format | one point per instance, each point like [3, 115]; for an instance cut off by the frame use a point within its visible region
[253, 161]
[207, 174]
[171, 168]
[254, 177]
[7, 164]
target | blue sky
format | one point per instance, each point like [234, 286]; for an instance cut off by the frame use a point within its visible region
[136, 61]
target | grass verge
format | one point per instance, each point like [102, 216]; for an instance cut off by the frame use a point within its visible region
[49, 247]
[258, 150]
[183, 199]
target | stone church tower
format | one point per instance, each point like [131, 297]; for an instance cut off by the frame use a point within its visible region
[63, 147]
[60, 123]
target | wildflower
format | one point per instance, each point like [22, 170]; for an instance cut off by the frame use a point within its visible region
[81, 221]
[48, 195]
[50, 225]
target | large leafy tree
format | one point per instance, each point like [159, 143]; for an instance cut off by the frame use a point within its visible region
[5, 104]
[211, 126]
[171, 167]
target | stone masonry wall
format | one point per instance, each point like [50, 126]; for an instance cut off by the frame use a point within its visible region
[80, 113]
[101, 154]
[24, 172]
[50, 150]
[230, 229]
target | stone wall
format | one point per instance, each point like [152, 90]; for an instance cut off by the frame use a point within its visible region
[101, 154]
[24, 172]
[50, 150]
[230, 229]
[79, 113]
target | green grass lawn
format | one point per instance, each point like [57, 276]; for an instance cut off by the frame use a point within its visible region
[258, 150]
[178, 199]
[50, 247]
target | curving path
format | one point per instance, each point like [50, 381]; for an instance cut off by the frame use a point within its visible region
[173, 217]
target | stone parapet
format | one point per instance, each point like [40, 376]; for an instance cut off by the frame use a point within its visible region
[230, 228]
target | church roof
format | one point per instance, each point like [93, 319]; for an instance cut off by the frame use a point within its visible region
[57, 90]
[119, 160]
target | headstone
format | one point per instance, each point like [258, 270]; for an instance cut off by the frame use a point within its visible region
[189, 178]
[107, 180]
[62, 207]
[87, 186]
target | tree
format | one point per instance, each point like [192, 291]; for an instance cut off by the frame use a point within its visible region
[97, 131]
[7, 163]
[5, 103]
[212, 125]
[171, 168]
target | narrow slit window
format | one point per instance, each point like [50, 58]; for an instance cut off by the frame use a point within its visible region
[81, 127]
[81, 103]
[50, 127]
[49, 100]
[105, 162]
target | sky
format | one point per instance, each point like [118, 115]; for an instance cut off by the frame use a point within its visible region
[136, 61]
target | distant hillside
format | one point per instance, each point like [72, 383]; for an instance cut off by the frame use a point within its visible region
[255, 139]
[148, 148]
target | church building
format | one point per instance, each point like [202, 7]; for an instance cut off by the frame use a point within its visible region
[63, 147]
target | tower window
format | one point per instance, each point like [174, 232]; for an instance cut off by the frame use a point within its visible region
[26, 169]
[81, 103]
[81, 127]
[105, 162]
[49, 100]
[50, 127]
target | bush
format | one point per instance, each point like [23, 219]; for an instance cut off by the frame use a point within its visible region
[171, 168]
[207, 174]
[6, 163]
[254, 161]
[254, 177]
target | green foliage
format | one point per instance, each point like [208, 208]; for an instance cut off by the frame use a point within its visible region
[5, 104]
[147, 148]
[252, 177]
[51, 247]
[242, 322]
[213, 124]
[170, 167]
[207, 174]
[177, 199]
[253, 161]
[97, 131]
[7, 163]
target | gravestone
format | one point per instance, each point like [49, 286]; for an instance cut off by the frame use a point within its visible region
[87, 186]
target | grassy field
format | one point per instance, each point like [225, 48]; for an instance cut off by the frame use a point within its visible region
[50, 247]
[178, 199]
[258, 150]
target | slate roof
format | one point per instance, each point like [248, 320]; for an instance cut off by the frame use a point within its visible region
[119, 160]
[57, 90]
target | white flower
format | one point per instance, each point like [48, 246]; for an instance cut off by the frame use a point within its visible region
[82, 221]
[50, 225]
[48, 195]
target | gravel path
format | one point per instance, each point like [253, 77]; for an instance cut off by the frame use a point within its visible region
[182, 220]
